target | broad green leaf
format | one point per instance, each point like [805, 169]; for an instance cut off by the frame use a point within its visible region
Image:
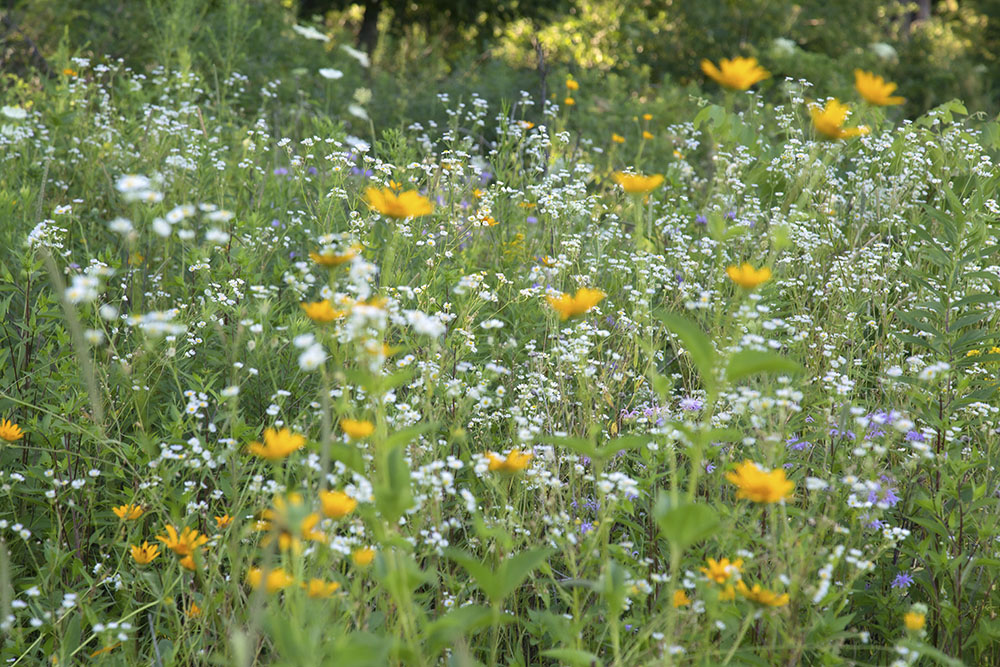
[750, 362]
[460, 622]
[573, 657]
[516, 569]
[695, 341]
[686, 523]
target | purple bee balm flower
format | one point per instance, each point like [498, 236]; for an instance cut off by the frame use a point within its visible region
[902, 581]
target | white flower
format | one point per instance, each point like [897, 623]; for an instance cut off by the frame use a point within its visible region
[330, 73]
[161, 227]
[312, 358]
[14, 113]
[132, 183]
[310, 32]
[121, 226]
[357, 144]
[360, 56]
[357, 111]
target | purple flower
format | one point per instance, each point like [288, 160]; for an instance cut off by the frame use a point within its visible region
[313, 170]
[691, 404]
[280, 171]
[796, 444]
[914, 436]
[531, 220]
[902, 580]
[731, 215]
[709, 467]
[701, 220]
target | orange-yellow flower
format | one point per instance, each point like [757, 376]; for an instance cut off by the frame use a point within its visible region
[514, 462]
[646, 134]
[277, 444]
[737, 74]
[194, 611]
[569, 101]
[914, 620]
[875, 89]
[727, 594]
[357, 429]
[748, 277]
[571, 84]
[363, 557]
[681, 599]
[128, 512]
[720, 571]
[10, 431]
[409, 204]
[759, 486]
[222, 522]
[829, 121]
[290, 521]
[184, 544]
[274, 581]
[762, 595]
[337, 504]
[317, 588]
[637, 184]
[145, 554]
[321, 311]
[617, 138]
[568, 306]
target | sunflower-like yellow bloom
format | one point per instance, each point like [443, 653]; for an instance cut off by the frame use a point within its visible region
[759, 486]
[357, 429]
[145, 554]
[572, 84]
[330, 259]
[637, 184]
[829, 121]
[681, 599]
[568, 306]
[291, 522]
[222, 522]
[914, 621]
[722, 570]
[617, 138]
[317, 588]
[10, 431]
[337, 504]
[321, 311]
[128, 512]
[762, 595]
[363, 557]
[409, 204]
[737, 74]
[184, 544]
[875, 89]
[273, 581]
[748, 277]
[515, 461]
[277, 444]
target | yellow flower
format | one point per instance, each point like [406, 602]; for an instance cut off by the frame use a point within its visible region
[145, 554]
[759, 486]
[567, 306]
[720, 571]
[112, 647]
[321, 311]
[10, 431]
[762, 595]
[727, 594]
[277, 444]
[973, 353]
[337, 504]
[409, 204]
[569, 101]
[525, 125]
[331, 259]
[571, 84]
[637, 184]
[515, 461]
[681, 599]
[914, 620]
[617, 138]
[69, 72]
[357, 429]
[737, 74]
[829, 121]
[290, 521]
[748, 277]
[875, 89]
[194, 611]
[274, 581]
[184, 544]
[647, 116]
[363, 557]
[128, 512]
[646, 134]
[317, 588]
[222, 522]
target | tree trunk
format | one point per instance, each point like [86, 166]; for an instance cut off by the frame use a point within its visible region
[368, 35]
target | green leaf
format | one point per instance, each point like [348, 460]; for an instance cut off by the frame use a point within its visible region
[444, 631]
[686, 523]
[573, 656]
[395, 497]
[695, 341]
[516, 569]
[750, 362]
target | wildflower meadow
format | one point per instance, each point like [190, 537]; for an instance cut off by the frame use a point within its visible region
[584, 371]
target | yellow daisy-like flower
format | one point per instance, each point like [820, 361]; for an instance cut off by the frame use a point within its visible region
[637, 184]
[569, 306]
[273, 581]
[722, 570]
[514, 462]
[571, 84]
[875, 89]
[829, 121]
[617, 138]
[222, 522]
[290, 521]
[748, 277]
[321, 311]
[409, 204]
[681, 599]
[759, 486]
[194, 611]
[737, 74]
[363, 557]
[337, 504]
[317, 588]
[646, 134]
[762, 595]
[277, 444]
[727, 594]
[914, 620]
[10, 431]
[569, 101]
[184, 544]
[128, 512]
[357, 429]
[331, 259]
[145, 554]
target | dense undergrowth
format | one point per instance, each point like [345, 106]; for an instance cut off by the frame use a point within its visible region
[467, 392]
